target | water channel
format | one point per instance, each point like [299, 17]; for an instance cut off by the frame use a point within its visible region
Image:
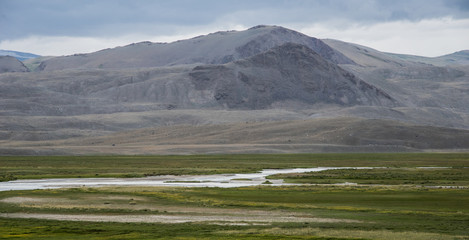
[216, 180]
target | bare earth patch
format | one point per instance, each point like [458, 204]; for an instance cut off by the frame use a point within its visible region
[172, 218]
[102, 202]
[170, 214]
[19, 200]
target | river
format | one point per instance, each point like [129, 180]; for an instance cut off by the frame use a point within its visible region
[215, 180]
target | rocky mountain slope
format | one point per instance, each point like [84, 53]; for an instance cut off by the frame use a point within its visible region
[417, 85]
[288, 75]
[215, 48]
[289, 72]
[265, 89]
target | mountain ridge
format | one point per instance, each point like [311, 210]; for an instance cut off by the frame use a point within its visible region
[214, 48]
[286, 72]
[21, 56]
[291, 96]
[457, 58]
[452, 59]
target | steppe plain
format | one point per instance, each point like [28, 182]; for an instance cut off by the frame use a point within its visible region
[408, 195]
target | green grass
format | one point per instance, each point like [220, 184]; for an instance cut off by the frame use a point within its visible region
[51, 230]
[387, 176]
[397, 209]
[34, 167]
[383, 212]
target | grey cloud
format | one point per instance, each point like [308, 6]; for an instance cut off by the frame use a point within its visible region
[20, 18]
[94, 17]
[461, 5]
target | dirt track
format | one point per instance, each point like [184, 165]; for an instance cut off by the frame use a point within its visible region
[232, 219]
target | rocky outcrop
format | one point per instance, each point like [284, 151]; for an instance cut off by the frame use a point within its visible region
[290, 72]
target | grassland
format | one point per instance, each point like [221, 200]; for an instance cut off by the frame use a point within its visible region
[360, 213]
[388, 176]
[398, 207]
[34, 167]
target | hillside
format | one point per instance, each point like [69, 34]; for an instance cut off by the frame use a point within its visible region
[414, 84]
[265, 89]
[215, 48]
[289, 72]
[294, 136]
[21, 56]
[11, 64]
[460, 58]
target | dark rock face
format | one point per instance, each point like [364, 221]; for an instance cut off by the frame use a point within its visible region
[278, 36]
[11, 64]
[290, 72]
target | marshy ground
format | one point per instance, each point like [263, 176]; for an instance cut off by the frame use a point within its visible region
[401, 201]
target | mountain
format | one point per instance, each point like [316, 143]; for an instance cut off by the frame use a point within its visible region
[459, 58]
[414, 84]
[18, 55]
[290, 72]
[11, 64]
[364, 56]
[265, 89]
[215, 48]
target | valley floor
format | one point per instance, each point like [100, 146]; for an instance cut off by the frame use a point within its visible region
[406, 198]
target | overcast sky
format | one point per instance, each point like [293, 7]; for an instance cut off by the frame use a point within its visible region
[61, 27]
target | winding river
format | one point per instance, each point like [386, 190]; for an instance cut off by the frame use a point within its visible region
[216, 180]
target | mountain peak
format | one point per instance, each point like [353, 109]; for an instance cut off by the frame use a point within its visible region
[262, 26]
[215, 48]
[285, 73]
